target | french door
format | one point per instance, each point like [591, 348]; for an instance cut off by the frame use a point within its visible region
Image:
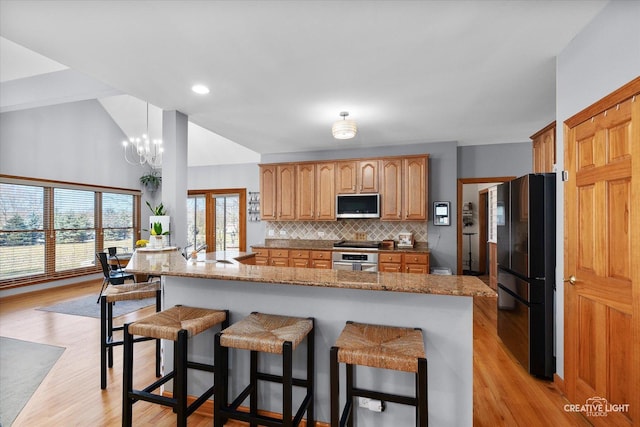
[217, 218]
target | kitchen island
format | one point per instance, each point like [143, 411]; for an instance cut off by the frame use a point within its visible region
[441, 305]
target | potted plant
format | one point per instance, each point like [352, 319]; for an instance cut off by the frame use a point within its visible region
[157, 238]
[151, 180]
[159, 216]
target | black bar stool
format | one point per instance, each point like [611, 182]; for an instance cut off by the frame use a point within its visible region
[112, 294]
[378, 346]
[177, 324]
[265, 333]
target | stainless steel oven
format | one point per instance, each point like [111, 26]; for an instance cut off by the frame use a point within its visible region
[356, 261]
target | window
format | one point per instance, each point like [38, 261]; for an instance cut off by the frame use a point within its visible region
[227, 221]
[53, 230]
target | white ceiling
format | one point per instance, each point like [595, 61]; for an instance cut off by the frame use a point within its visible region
[280, 72]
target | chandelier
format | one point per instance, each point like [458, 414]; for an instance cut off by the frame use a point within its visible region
[345, 128]
[141, 150]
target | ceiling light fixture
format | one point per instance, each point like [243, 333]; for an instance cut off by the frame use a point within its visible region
[345, 128]
[141, 150]
[200, 89]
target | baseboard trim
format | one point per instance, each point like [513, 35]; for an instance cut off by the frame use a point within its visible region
[206, 410]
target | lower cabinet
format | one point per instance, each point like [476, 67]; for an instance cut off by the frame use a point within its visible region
[321, 259]
[262, 256]
[390, 262]
[279, 257]
[298, 258]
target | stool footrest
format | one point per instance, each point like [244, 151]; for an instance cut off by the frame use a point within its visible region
[158, 383]
[241, 397]
[262, 420]
[278, 379]
[199, 401]
[386, 397]
[201, 366]
[151, 397]
[346, 412]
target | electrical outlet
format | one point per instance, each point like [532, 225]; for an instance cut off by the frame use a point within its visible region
[272, 233]
[363, 402]
[283, 232]
[320, 233]
[371, 404]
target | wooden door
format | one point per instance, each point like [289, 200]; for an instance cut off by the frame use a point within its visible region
[268, 192]
[368, 176]
[391, 190]
[346, 177]
[602, 307]
[415, 188]
[305, 191]
[325, 192]
[285, 193]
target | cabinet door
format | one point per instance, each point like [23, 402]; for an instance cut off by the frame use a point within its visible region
[268, 192]
[346, 177]
[367, 179]
[417, 269]
[325, 192]
[299, 263]
[391, 190]
[305, 191]
[285, 192]
[415, 186]
[321, 263]
[280, 262]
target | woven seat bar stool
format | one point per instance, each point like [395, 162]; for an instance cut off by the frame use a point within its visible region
[377, 346]
[265, 333]
[176, 324]
[111, 295]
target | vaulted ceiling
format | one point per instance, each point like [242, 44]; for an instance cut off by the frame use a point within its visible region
[280, 72]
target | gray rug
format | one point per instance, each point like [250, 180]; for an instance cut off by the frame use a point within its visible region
[87, 306]
[23, 366]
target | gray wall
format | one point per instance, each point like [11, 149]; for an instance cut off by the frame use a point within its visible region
[483, 161]
[230, 176]
[75, 142]
[602, 58]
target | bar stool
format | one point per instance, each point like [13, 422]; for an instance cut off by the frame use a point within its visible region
[265, 333]
[112, 294]
[377, 346]
[176, 324]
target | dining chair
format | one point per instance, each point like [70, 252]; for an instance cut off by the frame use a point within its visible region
[114, 277]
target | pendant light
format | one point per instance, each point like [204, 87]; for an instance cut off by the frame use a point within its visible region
[345, 128]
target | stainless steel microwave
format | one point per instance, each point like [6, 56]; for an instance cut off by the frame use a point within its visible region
[358, 206]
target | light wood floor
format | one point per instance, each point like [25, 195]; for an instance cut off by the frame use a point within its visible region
[70, 395]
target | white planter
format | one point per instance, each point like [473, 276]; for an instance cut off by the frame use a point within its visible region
[156, 242]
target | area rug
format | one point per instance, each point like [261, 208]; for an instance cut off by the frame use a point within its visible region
[23, 366]
[87, 306]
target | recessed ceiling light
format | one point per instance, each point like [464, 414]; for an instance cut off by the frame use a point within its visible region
[200, 89]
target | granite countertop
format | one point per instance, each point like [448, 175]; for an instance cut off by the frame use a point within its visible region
[228, 265]
[300, 244]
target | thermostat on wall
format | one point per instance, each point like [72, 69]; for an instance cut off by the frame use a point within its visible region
[441, 213]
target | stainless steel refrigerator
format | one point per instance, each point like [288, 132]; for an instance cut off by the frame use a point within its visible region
[526, 270]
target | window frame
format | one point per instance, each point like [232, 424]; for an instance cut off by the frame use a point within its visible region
[49, 227]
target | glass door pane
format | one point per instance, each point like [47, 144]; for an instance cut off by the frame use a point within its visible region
[196, 222]
[227, 222]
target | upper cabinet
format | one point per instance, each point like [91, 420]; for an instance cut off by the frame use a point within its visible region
[277, 192]
[544, 149]
[415, 188]
[307, 191]
[315, 191]
[357, 176]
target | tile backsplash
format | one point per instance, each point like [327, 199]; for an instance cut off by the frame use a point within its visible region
[351, 229]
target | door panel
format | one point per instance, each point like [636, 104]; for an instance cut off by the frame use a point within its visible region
[602, 336]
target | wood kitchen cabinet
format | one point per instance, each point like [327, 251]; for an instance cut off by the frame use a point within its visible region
[415, 188]
[298, 258]
[279, 257]
[306, 191]
[357, 176]
[392, 262]
[277, 192]
[321, 259]
[544, 149]
[391, 190]
[325, 195]
[262, 256]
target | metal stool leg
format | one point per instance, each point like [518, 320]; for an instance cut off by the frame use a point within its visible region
[311, 339]
[180, 378]
[287, 383]
[334, 371]
[422, 411]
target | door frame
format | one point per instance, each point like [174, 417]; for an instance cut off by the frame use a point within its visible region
[210, 210]
[461, 183]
